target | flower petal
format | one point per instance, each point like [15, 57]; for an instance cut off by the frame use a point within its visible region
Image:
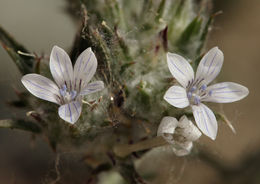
[167, 127]
[70, 112]
[61, 67]
[226, 92]
[210, 65]
[84, 69]
[205, 120]
[92, 88]
[177, 96]
[188, 129]
[180, 69]
[41, 87]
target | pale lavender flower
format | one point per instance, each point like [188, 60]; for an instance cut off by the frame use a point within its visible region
[194, 90]
[71, 84]
[180, 134]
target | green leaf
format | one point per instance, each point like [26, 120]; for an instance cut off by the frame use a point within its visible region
[177, 11]
[192, 30]
[144, 98]
[124, 46]
[125, 66]
[12, 47]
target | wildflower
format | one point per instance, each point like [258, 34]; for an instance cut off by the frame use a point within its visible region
[71, 84]
[194, 90]
[180, 134]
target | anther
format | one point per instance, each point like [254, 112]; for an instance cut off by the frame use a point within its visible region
[62, 92]
[64, 87]
[196, 100]
[203, 87]
[189, 95]
[210, 92]
[193, 89]
[73, 94]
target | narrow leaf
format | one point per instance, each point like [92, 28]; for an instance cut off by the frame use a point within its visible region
[160, 10]
[13, 48]
[192, 30]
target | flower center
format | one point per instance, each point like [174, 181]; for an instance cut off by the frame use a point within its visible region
[195, 94]
[68, 96]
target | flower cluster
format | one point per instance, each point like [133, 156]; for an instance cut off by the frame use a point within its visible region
[73, 83]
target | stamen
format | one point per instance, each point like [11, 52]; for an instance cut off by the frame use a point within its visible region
[203, 87]
[70, 85]
[195, 82]
[189, 95]
[75, 82]
[73, 94]
[193, 89]
[210, 92]
[80, 81]
[64, 87]
[62, 92]
[196, 100]
[188, 84]
[200, 81]
[203, 94]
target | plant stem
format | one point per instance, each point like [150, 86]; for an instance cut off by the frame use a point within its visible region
[122, 150]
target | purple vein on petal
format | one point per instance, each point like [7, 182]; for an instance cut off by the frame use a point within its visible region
[186, 68]
[206, 111]
[176, 98]
[75, 107]
[212, 63]
[93, 84]
[67, 69]
[177, 67]
[41, 93]
[224, 97]
[198, 115]
[234, 91]
[60, 66]
[91, 89]
[48, 84]
[55, 71]
[36, 85]
[88, 61]
[80, 63]
[215, 89]
[70, 113]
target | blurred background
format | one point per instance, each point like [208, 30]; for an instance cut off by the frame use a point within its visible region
[232, 158]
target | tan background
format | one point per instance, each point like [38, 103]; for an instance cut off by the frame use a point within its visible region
[38, 24]
[236, 32]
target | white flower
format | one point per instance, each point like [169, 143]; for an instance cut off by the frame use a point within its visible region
[194, 90]
[71, 84]
[180, 134]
